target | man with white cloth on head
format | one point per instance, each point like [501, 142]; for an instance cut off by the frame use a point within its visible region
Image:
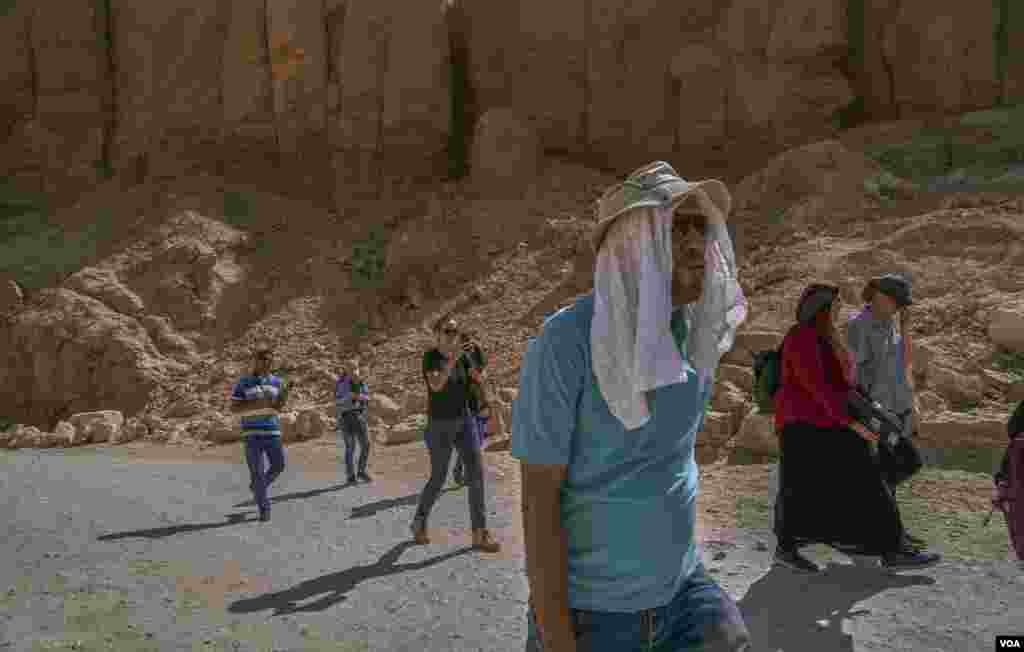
[611, 397]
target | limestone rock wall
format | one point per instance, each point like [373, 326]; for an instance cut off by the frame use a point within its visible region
[340, 98]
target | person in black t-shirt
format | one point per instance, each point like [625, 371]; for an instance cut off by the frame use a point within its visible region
[449, 424]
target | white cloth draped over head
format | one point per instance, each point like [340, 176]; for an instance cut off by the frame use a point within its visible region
[632, 345]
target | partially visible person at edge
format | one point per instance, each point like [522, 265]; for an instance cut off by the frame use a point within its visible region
[1014, 428]
[351, 401]
[479, 403]
[611, 398]
[882, 359]
[449, 424]
[831, 490]
[258, 399]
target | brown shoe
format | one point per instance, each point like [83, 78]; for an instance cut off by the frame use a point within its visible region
[482, 540]
[419, 533]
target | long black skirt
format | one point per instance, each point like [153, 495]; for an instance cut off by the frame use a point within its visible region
[831, 491]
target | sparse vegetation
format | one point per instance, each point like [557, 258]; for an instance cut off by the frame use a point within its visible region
[966, 407]
[37, 252]
[1010, 362]
[368, 259]
[777, 216]
[884, 186]
[6, 423]
[360, 328]
[238, 208]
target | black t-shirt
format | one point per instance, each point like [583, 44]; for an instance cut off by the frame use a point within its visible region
[452, 401]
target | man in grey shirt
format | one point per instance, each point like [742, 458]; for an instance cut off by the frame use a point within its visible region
[882, 359]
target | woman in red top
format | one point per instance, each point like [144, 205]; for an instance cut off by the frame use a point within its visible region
[830, 487]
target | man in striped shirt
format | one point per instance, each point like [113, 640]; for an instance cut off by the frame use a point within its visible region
[258, 399]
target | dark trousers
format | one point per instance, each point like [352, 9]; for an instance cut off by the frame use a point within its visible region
[260, 478]
[352, 425]
[481, 425]
[441, 437]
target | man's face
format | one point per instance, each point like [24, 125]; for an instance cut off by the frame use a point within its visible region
[885, 306]
[447, 338]
[688, 226]
[261, 362]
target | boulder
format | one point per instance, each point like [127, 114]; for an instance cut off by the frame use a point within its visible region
[748, 342]
[718, 429]
[289, 427]
[313, 423]
[731, 400]
[955, 387]
[931, 403]
[757, 434]
[66, 433]
[741, 377]
[385, 407]
[22, 436]
[1006, 328]
[222, 430]
[408, 430]
[97, 427]
[184, 408]
[11, 296]
[133, 429]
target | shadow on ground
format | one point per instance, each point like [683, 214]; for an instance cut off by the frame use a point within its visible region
[332, 587]
[299, 495]
[786, 610]
[390, 503]
[161, 532]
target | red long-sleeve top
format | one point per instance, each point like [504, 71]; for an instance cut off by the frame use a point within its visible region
[814, 386]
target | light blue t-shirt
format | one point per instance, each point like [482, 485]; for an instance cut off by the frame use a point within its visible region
[629, 500]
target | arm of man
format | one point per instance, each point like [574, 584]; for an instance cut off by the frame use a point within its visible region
[543, 423]
[436, 374]
[857, 343]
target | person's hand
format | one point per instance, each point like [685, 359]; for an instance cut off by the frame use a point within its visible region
[860, 429]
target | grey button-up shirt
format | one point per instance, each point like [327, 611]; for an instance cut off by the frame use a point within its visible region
[878, 355]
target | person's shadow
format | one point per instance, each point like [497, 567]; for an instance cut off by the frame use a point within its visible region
[161, 532]
[298, 495]
[370, 509]
[782, 610]
[333, 586]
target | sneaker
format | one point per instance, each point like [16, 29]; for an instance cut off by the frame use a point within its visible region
[906, 559]
[419, 532]
[791, 558]
[483, 540]
[264, 515]
[351, 479]
[365, 477]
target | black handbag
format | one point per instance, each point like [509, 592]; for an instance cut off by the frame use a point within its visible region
[898, 458]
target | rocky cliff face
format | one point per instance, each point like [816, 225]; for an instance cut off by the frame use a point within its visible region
[340, 98]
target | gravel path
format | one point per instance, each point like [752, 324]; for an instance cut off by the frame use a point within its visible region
[104, 552]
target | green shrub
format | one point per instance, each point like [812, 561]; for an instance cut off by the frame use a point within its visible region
[6, 423]
[368, 259]
[884, 186]
[238, 208]
[360, 328]
[38, 253]
[1010, 362]
[7, 7]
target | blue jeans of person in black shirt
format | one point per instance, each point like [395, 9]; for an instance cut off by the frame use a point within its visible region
[441, 437]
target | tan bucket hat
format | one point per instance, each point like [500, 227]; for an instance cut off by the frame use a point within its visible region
[654, 184]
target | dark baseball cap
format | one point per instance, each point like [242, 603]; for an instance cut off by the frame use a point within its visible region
[896, 287]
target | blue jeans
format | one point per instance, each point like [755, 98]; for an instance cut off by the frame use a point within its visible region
[353, 430]
[441, 437]
[701, 617]
[256, 447]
